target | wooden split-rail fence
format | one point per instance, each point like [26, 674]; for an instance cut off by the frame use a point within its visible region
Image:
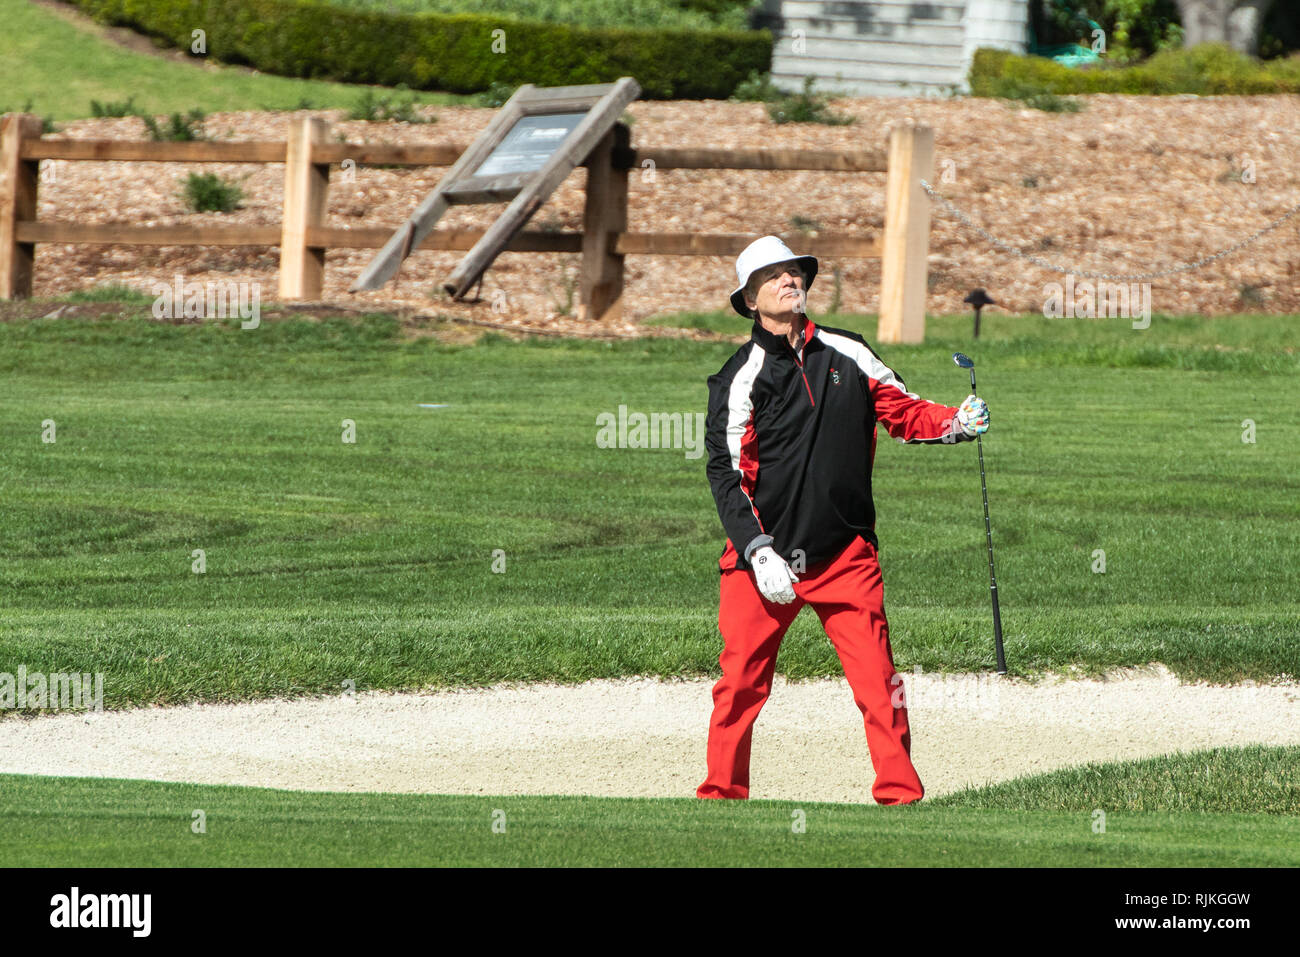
[304, 234]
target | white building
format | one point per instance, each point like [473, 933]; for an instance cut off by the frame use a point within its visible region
[888, 48]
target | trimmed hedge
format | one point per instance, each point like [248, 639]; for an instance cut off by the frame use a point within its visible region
[1207, 70]
[450, 52]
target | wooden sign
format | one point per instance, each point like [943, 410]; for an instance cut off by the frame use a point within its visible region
[537, 139]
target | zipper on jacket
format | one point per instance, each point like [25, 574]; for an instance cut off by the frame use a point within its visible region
[799, 362]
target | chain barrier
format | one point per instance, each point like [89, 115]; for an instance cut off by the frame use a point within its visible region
[1017, 251]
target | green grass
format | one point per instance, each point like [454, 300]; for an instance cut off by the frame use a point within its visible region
[1250, 780]
[372, 562]
[61, 68]
[92, 822]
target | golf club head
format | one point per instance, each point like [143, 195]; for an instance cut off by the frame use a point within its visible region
[963, 360]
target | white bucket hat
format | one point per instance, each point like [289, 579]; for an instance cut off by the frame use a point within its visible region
[766, 252]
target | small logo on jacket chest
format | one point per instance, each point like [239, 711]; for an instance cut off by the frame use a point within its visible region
[835, 377]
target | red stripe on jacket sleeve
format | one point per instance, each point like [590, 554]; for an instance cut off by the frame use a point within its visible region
[749, 467]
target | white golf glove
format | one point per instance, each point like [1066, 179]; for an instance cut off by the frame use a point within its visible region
[773, 575]
[973, 416]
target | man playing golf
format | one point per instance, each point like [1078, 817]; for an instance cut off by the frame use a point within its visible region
[791, 436]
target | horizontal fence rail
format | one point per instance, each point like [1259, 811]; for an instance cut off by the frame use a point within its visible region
[527, 241]
[303, 235]
[381, 154]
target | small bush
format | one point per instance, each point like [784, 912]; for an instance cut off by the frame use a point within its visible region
[568, 285]
[756, 88]
[47, 121]
[1050, 103]
[1037, 100]
[304, 103]
[495, 95]
[210, 193]
[837, 291]
[805, 107]
[110, 109]
[393, 108]
[178, 128]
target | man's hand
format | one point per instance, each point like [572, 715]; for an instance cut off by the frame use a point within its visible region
[775, 580]
[973, 416]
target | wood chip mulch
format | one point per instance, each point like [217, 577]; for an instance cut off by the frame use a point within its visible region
[1128, 184]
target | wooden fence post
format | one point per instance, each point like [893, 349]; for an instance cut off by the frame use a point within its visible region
[17, 203]
[306, 184]
[907, 235]
[605, 215]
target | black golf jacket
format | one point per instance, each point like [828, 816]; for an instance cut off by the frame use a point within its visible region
[791, 438]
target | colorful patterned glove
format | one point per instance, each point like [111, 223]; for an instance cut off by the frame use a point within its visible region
[973, 416]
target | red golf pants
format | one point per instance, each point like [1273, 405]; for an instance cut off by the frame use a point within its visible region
[848, 595]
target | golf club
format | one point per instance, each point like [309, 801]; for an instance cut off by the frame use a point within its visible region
[966, 362]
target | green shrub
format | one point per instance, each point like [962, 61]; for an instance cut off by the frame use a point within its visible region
[1206, 70]
[178, 128]
[449, 52]
[210, 193]
[1051, 103]
[805, 107]
[1027, 94]
[496, 94]
[47, 121]
[111, 109]
[756, 88]
[379, 109]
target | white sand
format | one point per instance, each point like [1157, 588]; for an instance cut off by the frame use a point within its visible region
[647, 737]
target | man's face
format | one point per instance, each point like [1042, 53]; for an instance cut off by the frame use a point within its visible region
[777, 291]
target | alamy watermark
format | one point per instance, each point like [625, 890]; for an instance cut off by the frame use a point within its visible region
[79, 909]
[58, 691]
[656, 430]
[1099, 300]
[980, 693]
[208, 300]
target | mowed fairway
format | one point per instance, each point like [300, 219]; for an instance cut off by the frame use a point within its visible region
[109, 823]
[328, 562]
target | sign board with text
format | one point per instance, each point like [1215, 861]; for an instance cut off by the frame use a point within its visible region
[536, 140]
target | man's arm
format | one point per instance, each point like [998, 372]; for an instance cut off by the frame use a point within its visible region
[905, 415]
[909, 418]
[732, 445]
